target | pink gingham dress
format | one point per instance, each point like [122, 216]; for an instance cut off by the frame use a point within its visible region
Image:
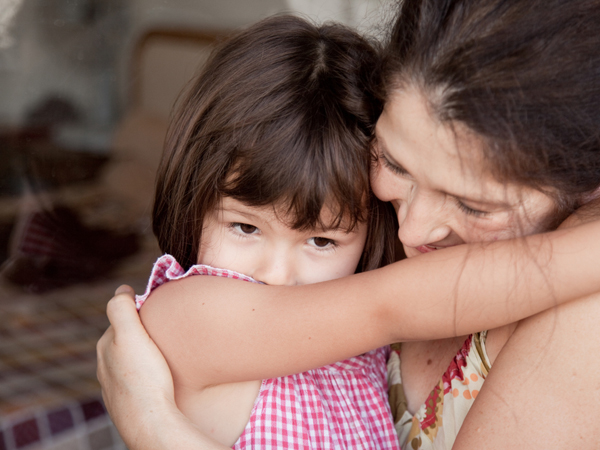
[339, 406]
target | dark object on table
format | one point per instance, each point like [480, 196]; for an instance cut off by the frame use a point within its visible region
[52, 111]
[54, 249]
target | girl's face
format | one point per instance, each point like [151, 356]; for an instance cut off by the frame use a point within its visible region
[435, 177]
[254, 241]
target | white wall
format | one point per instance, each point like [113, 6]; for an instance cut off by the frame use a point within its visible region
[51, 57]
[39, 63]
[209, 13]
[234, 13]
[370, 16]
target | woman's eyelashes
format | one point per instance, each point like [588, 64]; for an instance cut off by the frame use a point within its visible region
[395, 168]
[470, 211]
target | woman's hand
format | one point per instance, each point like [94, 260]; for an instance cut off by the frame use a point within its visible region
[137, 386]
[132, 371]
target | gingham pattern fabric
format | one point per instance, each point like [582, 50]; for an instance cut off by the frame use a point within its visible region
[166, 268]
[339, 406]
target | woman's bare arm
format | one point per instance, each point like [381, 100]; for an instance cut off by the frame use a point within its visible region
[217, 330]
[544, 386]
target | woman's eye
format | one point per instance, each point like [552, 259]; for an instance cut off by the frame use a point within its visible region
[321, 242]
[391, 166]
[244, 228]
[470, 211]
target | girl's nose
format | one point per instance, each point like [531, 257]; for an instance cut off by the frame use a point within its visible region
[276, 270]
[422, 220]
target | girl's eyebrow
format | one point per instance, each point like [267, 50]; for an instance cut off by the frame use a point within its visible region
[333, 229]
[248, 214]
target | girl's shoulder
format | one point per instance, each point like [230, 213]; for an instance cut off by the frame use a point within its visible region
[166, 268]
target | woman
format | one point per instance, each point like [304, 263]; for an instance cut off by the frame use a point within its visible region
[489, 132]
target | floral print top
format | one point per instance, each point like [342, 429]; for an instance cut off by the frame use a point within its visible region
[436, 423]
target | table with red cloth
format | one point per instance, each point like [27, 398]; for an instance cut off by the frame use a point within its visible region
[49, 395]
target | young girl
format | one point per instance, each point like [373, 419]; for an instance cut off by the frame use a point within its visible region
[265, 179]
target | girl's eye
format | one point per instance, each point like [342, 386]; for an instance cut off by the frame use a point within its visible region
[470, 211]
[321, 242]
[244, 228]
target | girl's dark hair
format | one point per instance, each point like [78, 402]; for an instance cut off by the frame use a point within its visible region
[281, 114]
[524, 75]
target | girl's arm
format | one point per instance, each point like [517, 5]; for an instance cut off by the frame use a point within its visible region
[137, 386]
[215, 330]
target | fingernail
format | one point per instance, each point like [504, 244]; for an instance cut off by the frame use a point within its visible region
[123, 289]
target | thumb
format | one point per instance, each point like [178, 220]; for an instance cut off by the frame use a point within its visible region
[125, 289]
[122, 313]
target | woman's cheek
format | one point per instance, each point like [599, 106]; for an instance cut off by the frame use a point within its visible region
[388, 187]
[493, 234]
[377, 183]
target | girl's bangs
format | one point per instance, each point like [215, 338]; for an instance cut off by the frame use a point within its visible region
[306, 184]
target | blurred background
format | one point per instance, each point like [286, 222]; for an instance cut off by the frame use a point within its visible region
[86, 89]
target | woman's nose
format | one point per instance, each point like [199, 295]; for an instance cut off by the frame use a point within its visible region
[422, 220]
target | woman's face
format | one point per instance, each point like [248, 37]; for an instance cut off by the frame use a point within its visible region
[436, 178]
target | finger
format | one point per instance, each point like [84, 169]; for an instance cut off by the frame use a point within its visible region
[101, 348]
[122, 313]
[105, 340]
[125, 289]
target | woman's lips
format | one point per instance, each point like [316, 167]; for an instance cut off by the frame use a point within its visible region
[426, 248]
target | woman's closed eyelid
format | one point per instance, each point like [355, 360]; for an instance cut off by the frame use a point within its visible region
[471, 211]
[397, 169]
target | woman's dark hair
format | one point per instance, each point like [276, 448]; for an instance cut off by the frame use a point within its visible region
[523, 75]
[281, 114]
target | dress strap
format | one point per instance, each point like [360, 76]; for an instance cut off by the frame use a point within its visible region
[479, 341]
